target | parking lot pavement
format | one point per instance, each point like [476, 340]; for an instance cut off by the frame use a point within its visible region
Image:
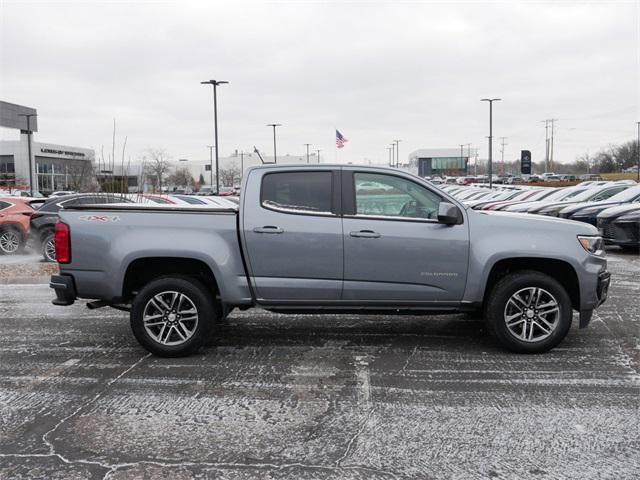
[317, 397]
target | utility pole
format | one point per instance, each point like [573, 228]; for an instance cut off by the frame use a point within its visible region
[29, 133]
[502, 152]
[214, 84]
[274, 125]
[466, 167]
[393, 152]
[475, 165]
[390, 159]
[241, 163]
[546, 143]
[318, 150]
[307, 144]
[397, 142]
[490, 100]
[552, 120]
[461, 154]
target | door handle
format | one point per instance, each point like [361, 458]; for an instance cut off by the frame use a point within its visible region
[365, 234]
[268, 229]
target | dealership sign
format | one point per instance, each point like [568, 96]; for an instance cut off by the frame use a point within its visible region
[525, 162]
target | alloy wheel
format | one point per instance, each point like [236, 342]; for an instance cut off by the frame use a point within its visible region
[9, 242]
[532, 314]
[170, 318]
[50, 250]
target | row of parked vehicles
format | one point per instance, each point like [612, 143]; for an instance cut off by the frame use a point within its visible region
[31, 221]
[612, 207]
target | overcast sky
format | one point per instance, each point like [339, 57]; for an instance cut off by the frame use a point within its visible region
[376, 70]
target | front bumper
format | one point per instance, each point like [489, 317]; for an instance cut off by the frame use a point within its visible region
[65, 290]
[602, 292]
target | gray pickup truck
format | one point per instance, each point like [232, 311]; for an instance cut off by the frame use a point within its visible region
[334, 239]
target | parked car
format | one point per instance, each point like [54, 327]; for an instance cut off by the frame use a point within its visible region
[62, 193]
[14, 224]
[594, 194]
[307, 240]
[588, 211]
[44, 219]
[206, 190]
[621, 226]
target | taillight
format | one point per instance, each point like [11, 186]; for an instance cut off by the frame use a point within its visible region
[62, 242]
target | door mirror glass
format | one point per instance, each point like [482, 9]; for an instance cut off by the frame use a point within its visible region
[447, 213]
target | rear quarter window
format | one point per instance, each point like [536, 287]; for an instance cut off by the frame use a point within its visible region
[297, 192]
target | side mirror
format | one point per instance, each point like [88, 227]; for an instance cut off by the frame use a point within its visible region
[447, 213]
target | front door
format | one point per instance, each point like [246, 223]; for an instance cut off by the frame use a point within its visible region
[293, 236]
[395, 251]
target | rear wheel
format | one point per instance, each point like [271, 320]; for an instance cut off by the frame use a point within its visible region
[172, 316]
[529, 312]
[11, 241]
[48, 248]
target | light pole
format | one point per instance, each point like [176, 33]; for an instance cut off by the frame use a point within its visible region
[393, 154]
[28, 117]
[307, 144]
[466, 167]
[389, 149]
[274, 125]
[461, 146]
[211, 147]
[241, 163]
[490, 100]
[215, 84]
[397, 142]
[318, 150]
[638, 152]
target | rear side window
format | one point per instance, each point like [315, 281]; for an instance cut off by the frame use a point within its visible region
[297, 192]
[4, 205]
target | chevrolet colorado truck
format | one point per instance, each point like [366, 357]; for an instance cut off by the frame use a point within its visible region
[334, 239]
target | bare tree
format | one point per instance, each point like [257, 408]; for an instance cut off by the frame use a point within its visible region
[157, 167]
[181, 177]
[80, 175]
[230, 174]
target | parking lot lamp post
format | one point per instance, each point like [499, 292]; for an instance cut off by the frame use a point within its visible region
[211, 147]
[274, 125]
[490, 100]
[393, 154]
[638, 154]
[318, 150]
[390, 156]
[307, 144]
[215, 84]
[29, 133]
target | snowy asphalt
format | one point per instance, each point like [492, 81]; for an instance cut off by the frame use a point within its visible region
[315, 397]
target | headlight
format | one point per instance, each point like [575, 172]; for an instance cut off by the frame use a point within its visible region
[593, 245]
[551, 211]
[629, 217]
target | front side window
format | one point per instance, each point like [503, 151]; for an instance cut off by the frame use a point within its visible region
[383, 195]
[298, 192]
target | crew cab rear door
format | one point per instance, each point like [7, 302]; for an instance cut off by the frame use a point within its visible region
[293, 234]
[395, 251]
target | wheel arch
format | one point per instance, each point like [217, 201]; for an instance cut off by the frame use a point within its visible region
[141, 271]
[560, 270]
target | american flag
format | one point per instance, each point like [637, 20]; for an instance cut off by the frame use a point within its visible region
[340, 140]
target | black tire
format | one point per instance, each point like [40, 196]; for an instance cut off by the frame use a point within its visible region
[196, 334]
[48, 254]
[499, 307]
[8, 238]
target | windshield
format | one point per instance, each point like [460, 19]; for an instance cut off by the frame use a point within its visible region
[626, 195]
[190, 200]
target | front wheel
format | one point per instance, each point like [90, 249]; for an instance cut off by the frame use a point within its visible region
[172, 316]
[529, 312]
[11, 241]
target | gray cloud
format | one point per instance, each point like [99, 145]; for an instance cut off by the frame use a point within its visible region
[375, 70]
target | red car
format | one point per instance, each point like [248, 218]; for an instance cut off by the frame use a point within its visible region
[14, 224]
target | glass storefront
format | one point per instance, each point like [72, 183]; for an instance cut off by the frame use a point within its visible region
[7, 171]
[56, 174]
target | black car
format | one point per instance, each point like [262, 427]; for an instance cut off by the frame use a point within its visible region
[44, 219]
[588, 211]
[621, 226]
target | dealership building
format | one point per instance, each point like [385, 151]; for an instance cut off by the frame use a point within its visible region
[53, 167]
[431, 162]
